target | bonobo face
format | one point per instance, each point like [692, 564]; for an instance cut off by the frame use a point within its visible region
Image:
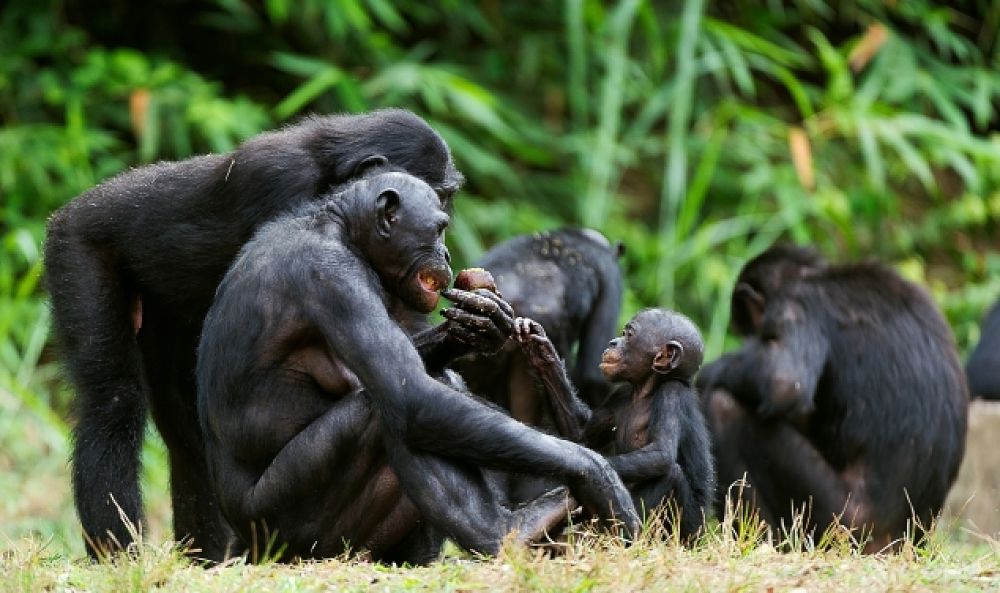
[654, 341]
[762, 277]
[408, 250]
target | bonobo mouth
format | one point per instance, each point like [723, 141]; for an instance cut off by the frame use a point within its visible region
[431, 281]
[609, 360]
[610, 356]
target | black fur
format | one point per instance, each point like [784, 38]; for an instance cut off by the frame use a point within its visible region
[162, 236]
[569, 281]
[319, 415]
[847, 396]
[983, 367]
[659, 441]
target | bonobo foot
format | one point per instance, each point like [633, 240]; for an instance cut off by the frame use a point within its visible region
[542, 515]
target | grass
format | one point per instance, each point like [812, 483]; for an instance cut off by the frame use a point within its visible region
[589, 562]
[41, 551]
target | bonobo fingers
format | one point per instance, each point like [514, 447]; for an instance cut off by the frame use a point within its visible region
[534, 343]
[485, 303]
[526, 328]
[469, 338]
[474, 330]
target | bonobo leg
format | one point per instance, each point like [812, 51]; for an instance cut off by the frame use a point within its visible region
[785, 472]
[168, 347]
[92, 318]
[458, 429]
[461, 503]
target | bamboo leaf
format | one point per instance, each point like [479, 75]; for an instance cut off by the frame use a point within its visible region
[917, 165]
[307, 92]
[870, 152]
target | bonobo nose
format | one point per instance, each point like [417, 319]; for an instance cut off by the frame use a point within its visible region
[447, 256]
[613, 343]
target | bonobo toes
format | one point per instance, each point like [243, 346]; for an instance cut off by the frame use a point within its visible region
[603, 493]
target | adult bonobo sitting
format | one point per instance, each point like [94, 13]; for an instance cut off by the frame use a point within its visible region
[321, 424]
[846, 400]
[132, 266]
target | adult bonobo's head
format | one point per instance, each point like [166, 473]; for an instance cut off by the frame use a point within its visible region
[404, 140]
[397, 223]
[762, 277]
[655, 342]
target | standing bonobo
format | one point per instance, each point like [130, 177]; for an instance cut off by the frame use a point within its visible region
[569, 281]
[322, 425]
[661, 444]
[846, 400]
[132, 266]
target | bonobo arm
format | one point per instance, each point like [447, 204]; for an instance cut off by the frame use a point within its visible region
[431, 417]
[657, 458]
[480, 321]
[601, 326]
[776, 373]
[572, 416]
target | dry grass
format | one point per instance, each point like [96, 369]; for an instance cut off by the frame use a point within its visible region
[40, 550]
[732, 556]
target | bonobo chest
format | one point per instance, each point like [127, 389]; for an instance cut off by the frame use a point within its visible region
[632, 425]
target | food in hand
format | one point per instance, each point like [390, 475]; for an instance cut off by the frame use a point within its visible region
[473, 278]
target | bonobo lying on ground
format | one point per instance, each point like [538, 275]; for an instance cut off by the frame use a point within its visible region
[847, 398]
[321, 425]
[661, 446]
[983, 367]
[568, 281]
[132, 266]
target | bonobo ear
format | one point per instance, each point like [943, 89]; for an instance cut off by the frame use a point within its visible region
[668, 357]
[386, 207]
[368, 163]
[748, 308]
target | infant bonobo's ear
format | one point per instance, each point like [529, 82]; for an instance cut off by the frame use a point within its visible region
[668, 357]
[386, 206]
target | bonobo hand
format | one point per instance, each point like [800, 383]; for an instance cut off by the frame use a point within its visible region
[601, 491]
[480, 319]
[534, 343]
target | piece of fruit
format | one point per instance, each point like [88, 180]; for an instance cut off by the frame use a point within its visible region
[473, 278]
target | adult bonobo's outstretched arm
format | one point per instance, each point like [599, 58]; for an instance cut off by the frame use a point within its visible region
[131, 268]
[428, 416]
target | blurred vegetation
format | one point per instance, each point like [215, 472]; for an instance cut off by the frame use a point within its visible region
[698, 133]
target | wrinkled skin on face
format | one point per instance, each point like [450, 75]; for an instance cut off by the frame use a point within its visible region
[406, 242]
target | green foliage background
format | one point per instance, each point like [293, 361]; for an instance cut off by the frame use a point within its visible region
[697, 133]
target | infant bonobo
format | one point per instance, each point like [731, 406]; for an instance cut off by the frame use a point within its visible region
[660, 441]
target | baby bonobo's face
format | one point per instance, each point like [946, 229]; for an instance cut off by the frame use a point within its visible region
[654, 341]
